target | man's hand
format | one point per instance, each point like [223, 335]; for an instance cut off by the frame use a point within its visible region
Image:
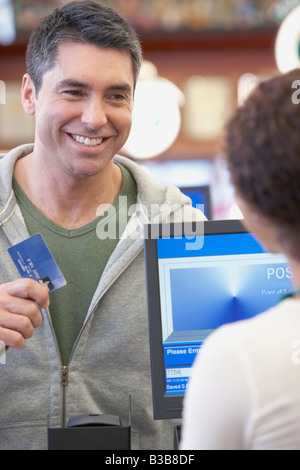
[19, 312]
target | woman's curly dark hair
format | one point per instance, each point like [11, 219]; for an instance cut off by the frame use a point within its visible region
[263, 150]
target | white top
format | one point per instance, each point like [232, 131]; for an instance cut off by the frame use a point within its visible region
[244, 392]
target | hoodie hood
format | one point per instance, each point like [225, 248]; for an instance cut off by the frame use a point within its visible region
[155, 197]
[7, 163]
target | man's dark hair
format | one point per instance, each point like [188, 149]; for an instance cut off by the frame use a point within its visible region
[263, 153]
[81, 22]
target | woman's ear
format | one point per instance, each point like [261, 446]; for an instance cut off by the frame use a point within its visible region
[28, 95]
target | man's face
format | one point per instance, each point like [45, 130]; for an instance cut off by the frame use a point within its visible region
[83, 110]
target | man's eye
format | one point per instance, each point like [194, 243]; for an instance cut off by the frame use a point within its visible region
[118, 97]
[74, 93]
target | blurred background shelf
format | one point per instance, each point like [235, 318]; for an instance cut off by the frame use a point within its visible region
[179, 56]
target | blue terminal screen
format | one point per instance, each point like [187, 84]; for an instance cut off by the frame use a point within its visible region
[199, 197]
[231, 277]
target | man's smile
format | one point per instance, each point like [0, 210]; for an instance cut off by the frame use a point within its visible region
[86, 140]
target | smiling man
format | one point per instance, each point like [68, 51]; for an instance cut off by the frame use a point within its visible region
[83, 348]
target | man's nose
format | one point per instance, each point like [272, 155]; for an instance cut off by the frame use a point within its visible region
[94, 114]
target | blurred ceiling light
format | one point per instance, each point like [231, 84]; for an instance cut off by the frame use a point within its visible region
[287, 44]
[246, 83]
[148, 71]
[7, 23]
[156, 115]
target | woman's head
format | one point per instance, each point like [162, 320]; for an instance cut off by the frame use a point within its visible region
[263, 154]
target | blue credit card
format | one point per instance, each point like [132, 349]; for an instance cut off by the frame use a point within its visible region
[33, 259]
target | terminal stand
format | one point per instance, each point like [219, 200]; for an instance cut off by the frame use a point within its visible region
[91, 432]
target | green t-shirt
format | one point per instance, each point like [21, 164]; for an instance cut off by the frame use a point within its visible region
[81, 254]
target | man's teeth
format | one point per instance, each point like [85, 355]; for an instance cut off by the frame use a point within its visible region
[86, 140]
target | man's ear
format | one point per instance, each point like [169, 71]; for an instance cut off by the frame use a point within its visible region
[28, 95]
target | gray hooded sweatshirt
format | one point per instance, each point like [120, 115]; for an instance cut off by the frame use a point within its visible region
[110, 359]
